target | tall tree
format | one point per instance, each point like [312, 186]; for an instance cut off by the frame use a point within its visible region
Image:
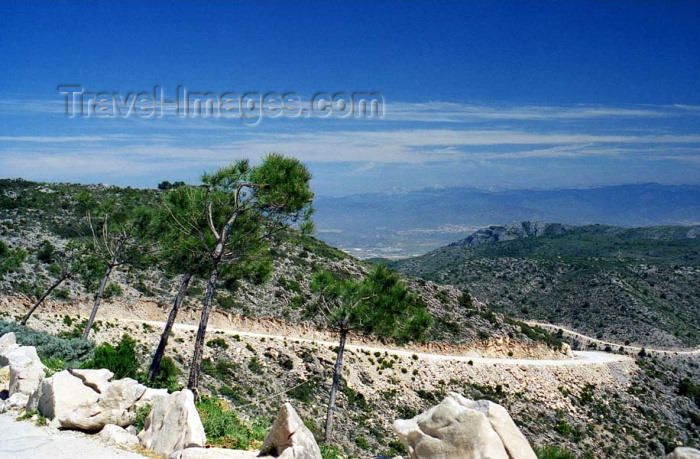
[179, 250]
[379, 304]
[240, 208]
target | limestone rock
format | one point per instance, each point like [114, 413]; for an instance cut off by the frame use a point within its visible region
[684, 453]
[148, 396]
[8, 342]
[290, 438]
[16, 401]
[25, 378]
[459, 428]
[97, 380]
[213, 453]
[114, 406]
[114, 435]
[173, 424]
[18, 356]
[514, 441]
[60, 394]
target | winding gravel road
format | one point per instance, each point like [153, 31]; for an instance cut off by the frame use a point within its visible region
[580, 357]
[635, 349]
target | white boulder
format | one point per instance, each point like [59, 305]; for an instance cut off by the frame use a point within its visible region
[15, 402]
[61, 394]
[684, 453]
[173, 424]
[459, 428]
[8, 342]
[18, 356]
[114, 435]
[114, 406]
[26, 377]
[290, 438]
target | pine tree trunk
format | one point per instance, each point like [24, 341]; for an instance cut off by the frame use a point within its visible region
[96, 306]
[160, 351]
[193, 381]
[43, 297]
[334, 387]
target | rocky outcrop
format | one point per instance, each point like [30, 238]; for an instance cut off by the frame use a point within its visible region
[114, 406]
[61, 394]
[290, 438]
[459, 428]
[114, 435]
[684, 453]
[173, 424]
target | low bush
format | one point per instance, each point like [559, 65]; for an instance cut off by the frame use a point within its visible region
[331, 452]
[71, 352]
[225, 429]
[554, 452]
[120, 360]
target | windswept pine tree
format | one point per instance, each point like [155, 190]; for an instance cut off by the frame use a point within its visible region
[380, 304]
[233, 215]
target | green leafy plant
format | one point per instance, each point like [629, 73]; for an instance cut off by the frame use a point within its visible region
[225, 429]
[120, 360]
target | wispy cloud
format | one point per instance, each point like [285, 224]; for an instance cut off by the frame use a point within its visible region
[451, 112]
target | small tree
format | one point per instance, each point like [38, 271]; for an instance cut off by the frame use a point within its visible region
[241, 207]
[380, 304]
[114, 242]
[68, 266]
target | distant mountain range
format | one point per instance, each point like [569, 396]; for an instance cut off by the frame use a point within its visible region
[410, 223]
[640, 285]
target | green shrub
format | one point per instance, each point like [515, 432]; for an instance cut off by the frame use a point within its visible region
[563, 427]
[255, 365]
[305, 393]
[112, 290]
[331, 452]
[141, 415]
[217, 343]
[167, 375]
[46, 252]
[49, 347]
[120, 360]
[10, 259]
[689, 389]
[396, 448]
[233, 394]
[224, 428]
[554, 452]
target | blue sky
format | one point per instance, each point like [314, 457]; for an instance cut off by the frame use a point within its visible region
[513, 95]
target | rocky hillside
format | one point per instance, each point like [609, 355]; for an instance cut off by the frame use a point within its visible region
[629, 409]
[638, 285]
[36, 215]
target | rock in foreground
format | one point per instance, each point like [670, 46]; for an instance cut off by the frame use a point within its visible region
[459, 428]
[684, 453]
[173, 424]
[290, 438]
